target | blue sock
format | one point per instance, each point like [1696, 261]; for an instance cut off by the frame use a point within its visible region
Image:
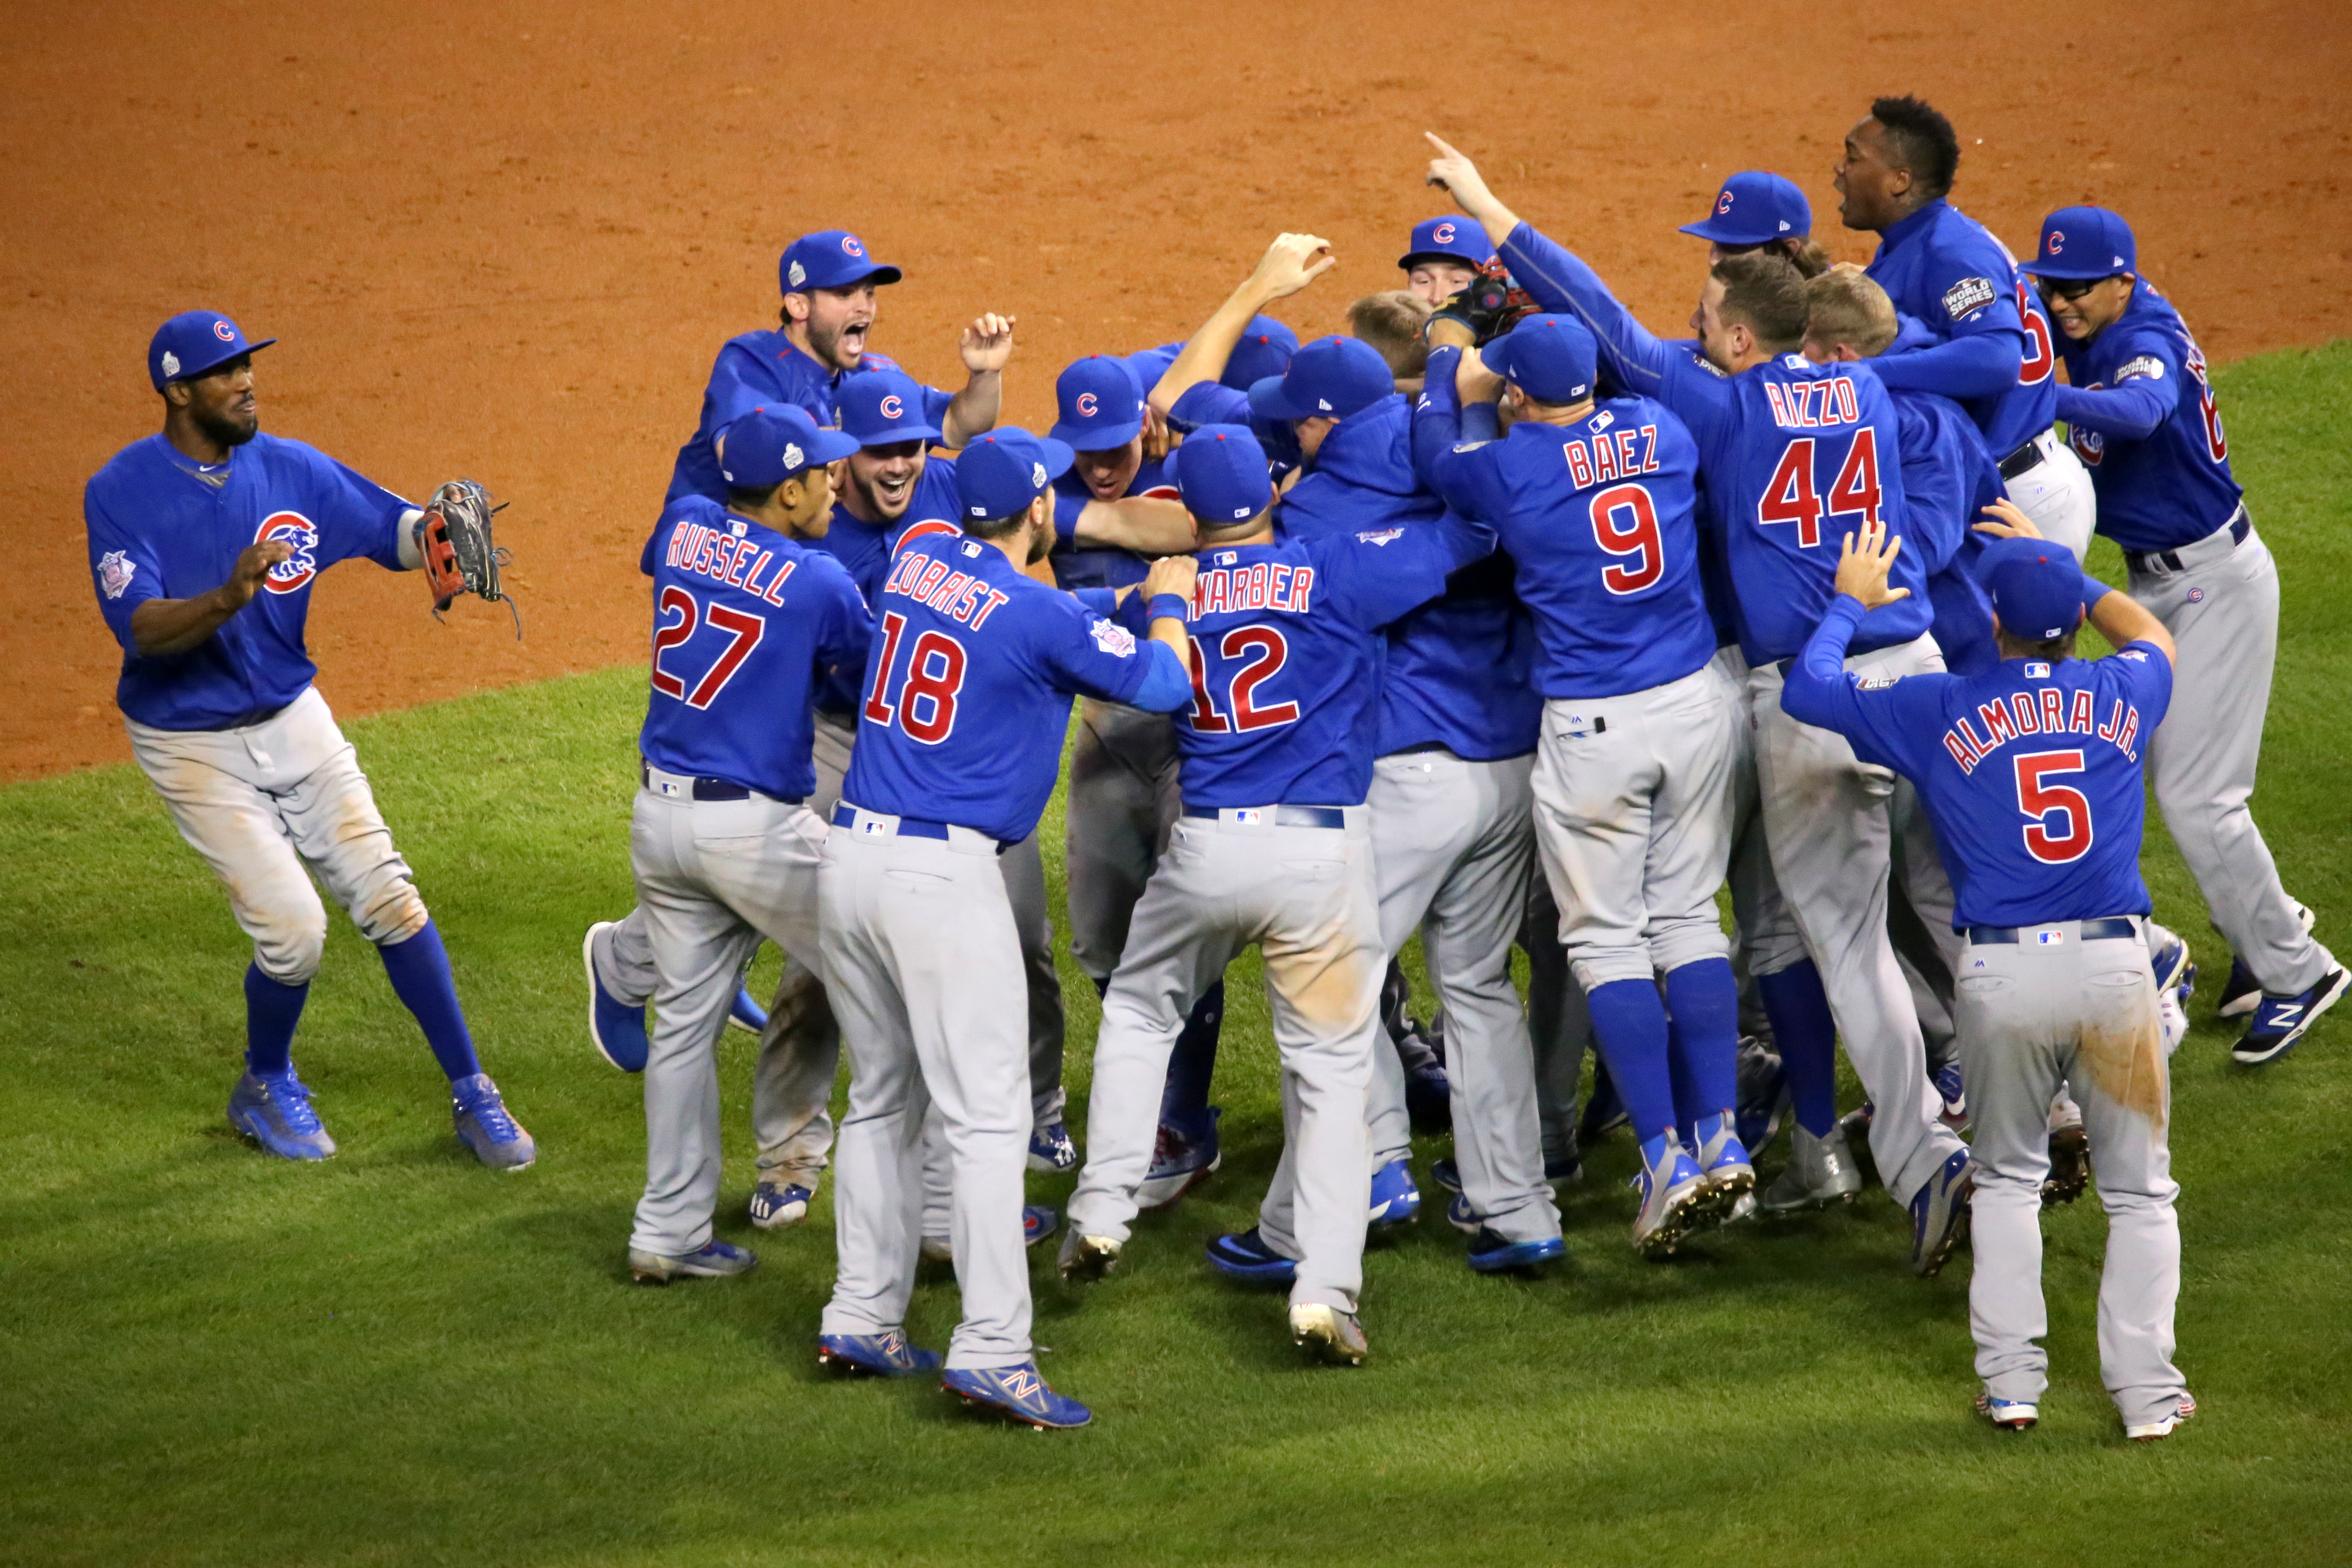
[271, 1011]
[419, 970]
[1185, 1101]
[1807, 1036]
[1629, 1022]
[1703, 1038]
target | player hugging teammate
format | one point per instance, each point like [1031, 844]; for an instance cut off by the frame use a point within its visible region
[1500, 620]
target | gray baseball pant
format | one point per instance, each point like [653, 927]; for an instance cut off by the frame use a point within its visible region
[1828, 817]
[1306, 897]
[1560, 1025]
[1453, 851]
[2057, 494]
[922, 963]
[2221, 607]
[2048, 1008]
[1123, 799]
[263, 803]
[713, 879]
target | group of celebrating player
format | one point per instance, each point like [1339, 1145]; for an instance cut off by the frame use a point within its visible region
[1499, 620]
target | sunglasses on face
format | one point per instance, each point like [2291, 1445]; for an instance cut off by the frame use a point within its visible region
[2068, 289]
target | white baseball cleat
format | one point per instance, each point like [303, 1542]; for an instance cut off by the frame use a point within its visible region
[2149, 1431]
[1328, 1334]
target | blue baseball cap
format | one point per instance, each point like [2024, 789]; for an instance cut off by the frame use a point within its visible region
[1330, 378]
[2036, 587]
[1102, 404]
[830, 258]
[774, 442]
[1221, 472]
[1447, 239]
[878, 408]
[1549, 357]
[1754, 208]
[2082, 242]
[1001, 472]
[1265, 349]
[193, 342]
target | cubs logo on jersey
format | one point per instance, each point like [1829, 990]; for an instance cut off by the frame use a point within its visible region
[295, 570]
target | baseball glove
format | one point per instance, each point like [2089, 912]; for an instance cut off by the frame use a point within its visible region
[1490, 307]
[460, 555]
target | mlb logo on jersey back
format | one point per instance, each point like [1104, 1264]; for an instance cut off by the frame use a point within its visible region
[114, 573]
[2037, 672]
[296, 570]
[1968, 296]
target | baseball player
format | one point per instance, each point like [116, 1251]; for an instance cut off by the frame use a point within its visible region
[1441, 258]
[1274, 849]
[1596, 504]
[959, 737]
[1992, 353]
[829, 285]
[748, 618]
[1786, 448]
[2032, 771]
[205, 541]
[2141, 411]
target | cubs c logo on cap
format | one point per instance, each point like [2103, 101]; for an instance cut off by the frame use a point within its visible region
[2057, 241]
[849, 244]
[296, 570]
[1086, 405]
[224, 331]
[891, 406]
[1443, 234]
[1722, 203]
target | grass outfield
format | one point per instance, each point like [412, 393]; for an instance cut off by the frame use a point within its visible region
[399, 1357]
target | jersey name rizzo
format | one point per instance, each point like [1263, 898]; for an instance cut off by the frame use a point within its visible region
[1811, 404]
[930, 581]
[2046, 711]
[724, 558]
[1606, 459]
[1267, 586]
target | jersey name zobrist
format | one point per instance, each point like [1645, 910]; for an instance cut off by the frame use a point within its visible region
[2046, 711]
[1266, 586]
[1811, 404]
[930, 581]
[724, 558]
[1605, 458]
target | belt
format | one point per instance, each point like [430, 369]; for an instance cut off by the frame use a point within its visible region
[845, 815]
[2022, 460]
[2110, 929]
[714, 789]
[1423, 750]
[2169, 560]
[1279, 817]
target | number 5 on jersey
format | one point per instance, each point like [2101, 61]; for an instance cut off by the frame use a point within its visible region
[926, 706]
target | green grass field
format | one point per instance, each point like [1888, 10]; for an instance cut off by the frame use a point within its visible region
[210, 1356]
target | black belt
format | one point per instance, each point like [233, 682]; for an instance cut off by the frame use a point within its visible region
[2022, 460]
[252, 716]
[1285, 815]
[720, 789]
[845, 815]
[2111, 928]
[2142, 561]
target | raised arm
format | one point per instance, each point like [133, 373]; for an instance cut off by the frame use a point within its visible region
[986, 346]
[1290, 264]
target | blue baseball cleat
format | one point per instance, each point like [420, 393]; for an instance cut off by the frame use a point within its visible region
[617, 1029]
[746, 1014]
[1051, 1150]
[874, 1355]
[1939, 1214]
[2009, 1414]
[775, 1205]
[1037, 1223]
[2241, 993]
[1446, 1175]
[1493, 1254]
[1724, 1162]
[1461, 1216]
[1395, 1199]
[1673, 1196]
[484, 1126]
[1946, 1076]
[2280, 1021]
[2167, 957]
[1245, 1256]
[1182, 1159]
[714, 1261]
[1017, 1391]
[274, 1110]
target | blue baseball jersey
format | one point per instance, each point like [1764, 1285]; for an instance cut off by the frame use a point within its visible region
[747, 623]
[1793, 456]
[1600, 518]
[766, 367]
[1949, 274]
[968, 686]
[1287, 647]
[1080, 566]
[2031, 771]
[163, 527]
[2141, 416]
[1948, 476]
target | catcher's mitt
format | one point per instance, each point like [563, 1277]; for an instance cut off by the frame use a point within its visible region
[460, 555]
[1490, 307]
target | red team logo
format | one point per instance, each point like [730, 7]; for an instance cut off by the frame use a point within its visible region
[849, 243]
[892, 406]
[295, 570]
[1087, 403]
[224, 331]
[1722, 201]
[2057, 241]
[1443, 234]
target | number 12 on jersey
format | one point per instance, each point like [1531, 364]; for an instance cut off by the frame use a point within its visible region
[1262, 651]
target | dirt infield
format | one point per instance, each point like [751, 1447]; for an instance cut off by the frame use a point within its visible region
[504, 239]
